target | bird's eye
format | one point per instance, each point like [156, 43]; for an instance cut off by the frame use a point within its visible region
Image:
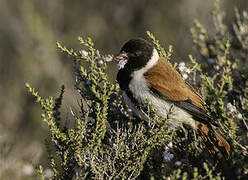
[135, 54]
[138, 53]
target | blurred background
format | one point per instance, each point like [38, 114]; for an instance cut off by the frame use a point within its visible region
[29, 30]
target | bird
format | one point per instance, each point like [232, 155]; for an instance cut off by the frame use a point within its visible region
[143, 75]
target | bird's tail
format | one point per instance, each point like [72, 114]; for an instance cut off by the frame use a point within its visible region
[213, 139]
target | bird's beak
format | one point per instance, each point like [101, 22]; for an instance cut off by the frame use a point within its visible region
[121, 59]
[122, 56]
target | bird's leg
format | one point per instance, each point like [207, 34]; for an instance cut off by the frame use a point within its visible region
[185, 133]
[196, 141]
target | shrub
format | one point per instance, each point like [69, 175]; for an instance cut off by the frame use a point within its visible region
[107, 142]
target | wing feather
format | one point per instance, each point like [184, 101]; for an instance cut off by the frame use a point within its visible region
[167, 83]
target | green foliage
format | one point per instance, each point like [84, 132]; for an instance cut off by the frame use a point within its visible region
[40, 172]
[223, 83]
[107, 142]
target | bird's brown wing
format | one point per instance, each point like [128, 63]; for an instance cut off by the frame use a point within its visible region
[167, 83]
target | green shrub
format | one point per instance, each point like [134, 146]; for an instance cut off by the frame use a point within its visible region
[107, 142]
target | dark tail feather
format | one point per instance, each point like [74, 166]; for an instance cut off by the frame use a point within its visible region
[212, 138]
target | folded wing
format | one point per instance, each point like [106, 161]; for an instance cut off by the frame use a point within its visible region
[168, 84]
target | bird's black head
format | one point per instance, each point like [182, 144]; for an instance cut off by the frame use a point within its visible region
[134, 55]
[137, 52]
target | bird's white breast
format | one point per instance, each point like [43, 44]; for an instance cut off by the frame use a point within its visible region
[139, 87]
